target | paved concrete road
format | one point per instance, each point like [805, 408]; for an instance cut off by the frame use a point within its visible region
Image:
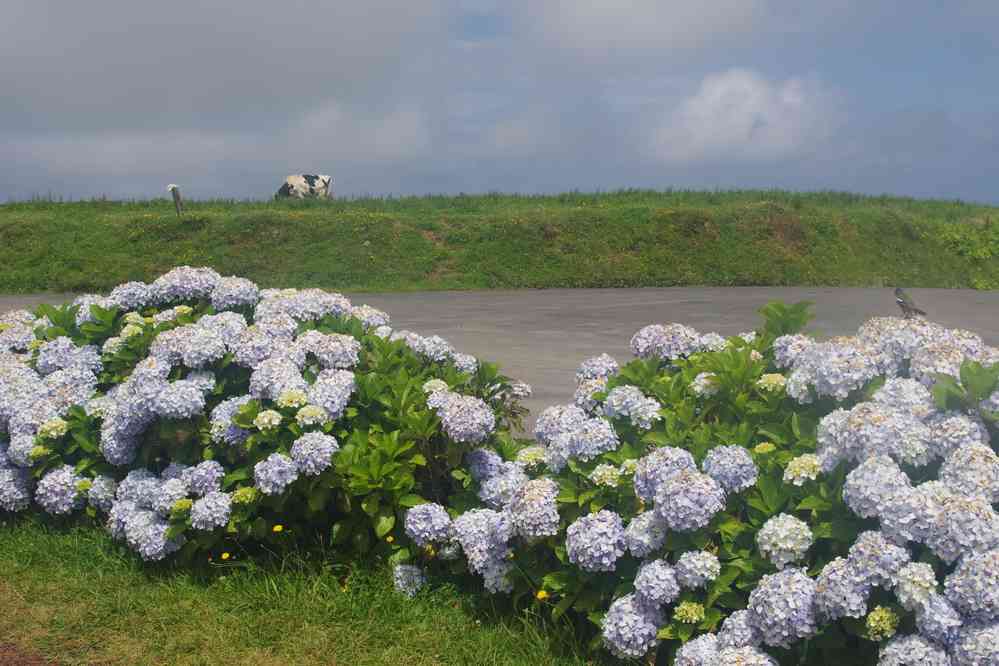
[541, 336]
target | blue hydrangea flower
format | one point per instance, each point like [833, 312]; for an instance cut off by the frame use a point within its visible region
[130, 295]
[597, 367]
[57, 491]
[483, 464]
[645, 534]
[533, 510]
[697, 568]
[211, 511]
[234, 292]
[408, 579]
[205, 477]
[665, 342]
[484, 536]
[184, 284]
[428, 523]
[745, 656]
[869, 486]
[731, 466]
[630, 627]
[331, 350]
[656, 467]
[841, 591]
[938, 621]
[499, 490]
[688, 500]
[145, 533]
[273, 475]
[701, 651]
[222, 429]
[972, 469]
[313, 452]
[465, 418]
[101, 493]
[976, 645]
[558, 419]
[913, 650]
[914, 584]
[167, 494]
[736, 632]
[973, 587]
[656, 583]
[629, 402]
[465, 363]
[332, 391]
[876, 559]
[592, 438]
[963, 525]
[781, 607]
[595, 542]
[15, 489]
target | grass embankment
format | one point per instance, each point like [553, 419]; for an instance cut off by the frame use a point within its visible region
[623, 239]
[74, 596]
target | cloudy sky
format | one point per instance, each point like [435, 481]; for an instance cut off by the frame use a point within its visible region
[122, 97]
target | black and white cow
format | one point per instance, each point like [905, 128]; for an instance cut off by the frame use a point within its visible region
[305, 185]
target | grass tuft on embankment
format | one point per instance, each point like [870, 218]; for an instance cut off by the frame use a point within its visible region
[632, 238]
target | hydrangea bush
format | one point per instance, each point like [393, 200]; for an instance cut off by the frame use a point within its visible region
[199, 415]
[766, 499]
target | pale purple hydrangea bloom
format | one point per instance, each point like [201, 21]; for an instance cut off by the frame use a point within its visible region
[950, 431]
[712, 342]
[499, 489]
[205, 477]
[62, 353]
[484, 536]
[408, 579]
[276, 375]
[972, 469]
[582, 397]
[592, 438]
[701, 651]
[533, 510]
[16, 486]
[331, 350]
[465, 419]
[167, 494]
[977, 645]
[688, 500]
[876, 559]
[184, 283]
[869, 486]
[597, 367]
[558, 419]
[145, 533]
[645, 534]
[179, 400]
[428, 523]
[483, 463]
[465, 363]
[963, 525]
[595, 542]
[665, 342]
[732, 467]
[914, 584]
[57, 491]
[223, 430]
[938, 621]
[973, 587]
[781, 607]
[841, 591]
[784, 539]
[696, 568]
[369, 316]
[313, 452]
[830, 369]
[629, 402]
[907, 395]
[130, 295]
[656, 467]
[211, 511]
[630, 627]
[656, 583]
[912, 650]
[101, 493]
[332, 391]
[234, 292]
[736, 632]
[274, 474]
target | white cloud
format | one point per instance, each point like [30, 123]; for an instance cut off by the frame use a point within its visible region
[738, 115]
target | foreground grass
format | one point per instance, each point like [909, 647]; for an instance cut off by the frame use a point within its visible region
[622, 239]
[73, 595]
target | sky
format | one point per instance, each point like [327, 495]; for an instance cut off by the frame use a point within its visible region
[119, 98]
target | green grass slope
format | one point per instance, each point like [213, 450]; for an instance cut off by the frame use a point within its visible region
[620, 239]
[74, 596]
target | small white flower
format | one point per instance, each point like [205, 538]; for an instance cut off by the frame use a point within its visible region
[267, 419]
[53, 429]
[805, 467]
[292, 398]
[606, 475]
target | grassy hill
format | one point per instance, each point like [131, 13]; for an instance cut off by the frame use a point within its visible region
[621, 239]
